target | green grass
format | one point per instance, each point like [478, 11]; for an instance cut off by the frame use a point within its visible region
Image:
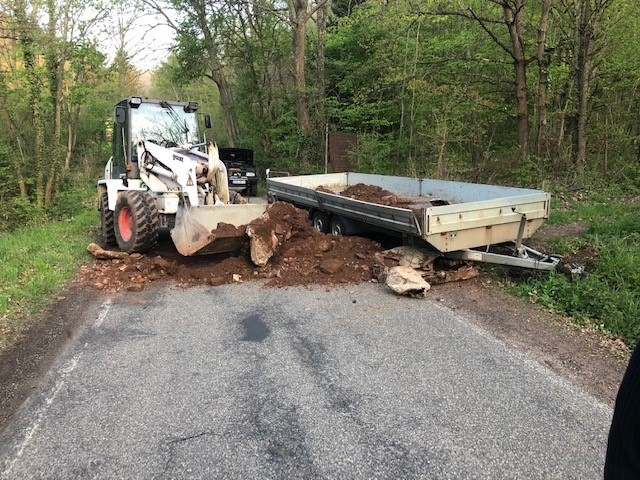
[586, 212]
[36, 262]
[608, 296]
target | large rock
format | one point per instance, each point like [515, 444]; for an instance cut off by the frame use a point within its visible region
[262, 247]
[407, 281]
[413, 257]
[331, 266]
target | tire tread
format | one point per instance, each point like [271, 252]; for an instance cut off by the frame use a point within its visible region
[145, 221]
[107, 227]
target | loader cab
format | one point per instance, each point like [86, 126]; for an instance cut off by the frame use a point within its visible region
[168, 124]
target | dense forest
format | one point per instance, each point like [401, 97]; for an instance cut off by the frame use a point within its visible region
[498, 91]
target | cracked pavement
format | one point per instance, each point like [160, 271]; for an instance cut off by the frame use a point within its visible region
[240, 381]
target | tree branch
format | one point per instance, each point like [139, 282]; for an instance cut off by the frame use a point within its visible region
[155, 6]
[492, 35]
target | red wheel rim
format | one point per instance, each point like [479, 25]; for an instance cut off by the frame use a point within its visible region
[125, 223]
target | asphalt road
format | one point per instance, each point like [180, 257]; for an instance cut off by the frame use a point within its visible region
[242, 381]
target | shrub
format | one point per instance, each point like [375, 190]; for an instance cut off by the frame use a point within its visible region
[19, 212]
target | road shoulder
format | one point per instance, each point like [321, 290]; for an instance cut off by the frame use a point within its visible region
[23, 364]
[584, 357]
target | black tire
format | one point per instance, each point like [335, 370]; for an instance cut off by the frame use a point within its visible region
[337, 226]
[136, 221]
[253, 189]
[107, 228]
[320, 221]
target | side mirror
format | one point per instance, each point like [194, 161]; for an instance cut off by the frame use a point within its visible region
[207, 121]
[120, 115]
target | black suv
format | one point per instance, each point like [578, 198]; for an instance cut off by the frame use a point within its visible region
[241, 170]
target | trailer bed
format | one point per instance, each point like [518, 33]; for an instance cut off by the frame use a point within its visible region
[450, 216]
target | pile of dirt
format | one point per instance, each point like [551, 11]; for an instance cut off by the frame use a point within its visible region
[300, 256]
[291, 252]
[371, 194]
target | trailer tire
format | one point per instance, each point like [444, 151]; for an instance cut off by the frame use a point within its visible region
[136, 221]
[338, 226]
[320, 221]
[107, 227]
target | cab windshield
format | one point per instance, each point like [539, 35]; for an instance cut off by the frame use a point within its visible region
[164, 124]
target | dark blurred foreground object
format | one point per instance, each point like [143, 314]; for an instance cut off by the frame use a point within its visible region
[623, 450]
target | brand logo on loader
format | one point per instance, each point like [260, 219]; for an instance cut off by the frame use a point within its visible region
[177, 158]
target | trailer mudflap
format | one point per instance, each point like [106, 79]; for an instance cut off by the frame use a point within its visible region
[198, 231]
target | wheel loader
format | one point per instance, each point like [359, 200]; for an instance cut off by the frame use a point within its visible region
[161, 175]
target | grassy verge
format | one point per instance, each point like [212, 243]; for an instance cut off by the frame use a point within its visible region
[607, 297]
[36, 263]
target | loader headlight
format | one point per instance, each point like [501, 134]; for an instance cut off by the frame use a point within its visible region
[135, 102]
[251, 174]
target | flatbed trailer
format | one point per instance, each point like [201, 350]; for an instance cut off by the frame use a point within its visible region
[465, 221]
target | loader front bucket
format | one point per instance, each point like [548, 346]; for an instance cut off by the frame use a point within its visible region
[196, 231]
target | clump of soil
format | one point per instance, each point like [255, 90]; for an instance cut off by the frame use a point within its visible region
[224, 230]
[301, 256]
[374, 194]
[371, 194]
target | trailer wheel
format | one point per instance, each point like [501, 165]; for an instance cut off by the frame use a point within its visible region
[338, 226]
[320, 221]
[107, 228]
[136, 221]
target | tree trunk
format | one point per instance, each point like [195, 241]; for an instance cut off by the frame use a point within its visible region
[72, 135]
[50, 184]
[543, 78]
[299, 80]
[323, 12]
[217, 74]
[513, 19]
[442, 136]
[587, 16]
[10, 129]
[231, 127]
[514, 15]
[25, 32]
[583, 35]
[298, 17]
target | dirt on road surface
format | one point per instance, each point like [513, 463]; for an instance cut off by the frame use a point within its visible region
[302, 256]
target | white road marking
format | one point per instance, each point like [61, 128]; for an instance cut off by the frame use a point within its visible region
[103, 314]
[64, 372]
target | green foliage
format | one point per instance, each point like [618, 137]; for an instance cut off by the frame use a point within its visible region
[170, 83]
[414, 80]
[52, 127]
[18, 212]
[36, 262]
[608, 296]
[374, 154]
[191, 55]
[590, 206]
[261, 57]
[72, 202]
[430, 84]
